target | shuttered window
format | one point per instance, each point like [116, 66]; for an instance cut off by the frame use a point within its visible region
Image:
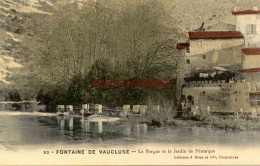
[250, 29]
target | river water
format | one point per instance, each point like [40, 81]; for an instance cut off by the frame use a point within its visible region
[39, 129]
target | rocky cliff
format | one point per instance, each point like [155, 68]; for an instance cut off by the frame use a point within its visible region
[189, 14]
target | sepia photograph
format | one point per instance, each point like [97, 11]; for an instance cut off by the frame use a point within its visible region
[129, 82]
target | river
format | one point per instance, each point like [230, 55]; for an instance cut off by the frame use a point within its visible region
[38, 129]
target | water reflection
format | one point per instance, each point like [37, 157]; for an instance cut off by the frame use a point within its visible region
[26, 129]
[127, 131]
[81, 127]
[71, 123]
[87, 126]
[100, 127]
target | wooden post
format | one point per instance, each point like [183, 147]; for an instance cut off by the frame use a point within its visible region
[236, 115]
[143, 109]
[85, 106]
[208, 109]
[196, 108]
[98, 109]
[253, 113]
[69, 108]
[61, 108]
[194, 111]
[136, 109]
[85, 109]
[82, 112]
[126, 109]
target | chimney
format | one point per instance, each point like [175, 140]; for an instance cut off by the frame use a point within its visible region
[234, 9]
[255, 8]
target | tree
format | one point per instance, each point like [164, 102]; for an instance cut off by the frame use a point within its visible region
[134, 37]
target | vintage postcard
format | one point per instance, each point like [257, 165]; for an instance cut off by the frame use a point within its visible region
[129, 82]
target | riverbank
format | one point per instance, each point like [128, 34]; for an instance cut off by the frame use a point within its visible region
[200, 121]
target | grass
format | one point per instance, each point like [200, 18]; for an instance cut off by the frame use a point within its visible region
[233, 124]
[201, 121]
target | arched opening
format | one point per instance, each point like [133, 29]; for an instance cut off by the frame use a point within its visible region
[190, 102]
[190, 99]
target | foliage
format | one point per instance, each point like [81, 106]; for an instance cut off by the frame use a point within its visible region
[131, 41]
[167, 110]
[233, 124]
[14, 96]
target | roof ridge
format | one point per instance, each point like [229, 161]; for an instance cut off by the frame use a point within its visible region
[215, 34]
[251, 51]
[246, 12]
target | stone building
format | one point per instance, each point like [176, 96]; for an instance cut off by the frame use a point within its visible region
[248, 23]
[251, 72]
[222, 68]
[205, 48]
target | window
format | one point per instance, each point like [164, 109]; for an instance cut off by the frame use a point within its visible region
[254, 100]
[187, 50]
[231, 27]
[199, 43]
[204, 56]
[250, 29]
[252, 77]
[187, 61]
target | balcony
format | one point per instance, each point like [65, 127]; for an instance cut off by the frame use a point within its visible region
[212, 76]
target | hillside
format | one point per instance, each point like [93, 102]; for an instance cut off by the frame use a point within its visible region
[191, 13]
[188, 13]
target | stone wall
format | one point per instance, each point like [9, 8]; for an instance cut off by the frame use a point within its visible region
[225, 57]
[224, 97]
[251, 61]
[252, 77]
[201, 46]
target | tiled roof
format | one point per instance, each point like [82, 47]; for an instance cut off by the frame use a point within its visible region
[183, 46]
[254, 93]
[250, 70]
[246, 12]
[215, 35]
[251, 51]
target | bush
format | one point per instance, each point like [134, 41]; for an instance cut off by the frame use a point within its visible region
[14, 96]
[229, 123]
[167, 110]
